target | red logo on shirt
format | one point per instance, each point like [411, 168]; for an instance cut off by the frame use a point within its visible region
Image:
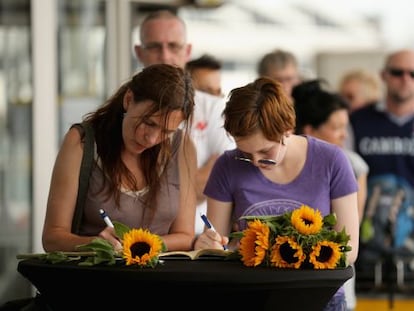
[201, 125]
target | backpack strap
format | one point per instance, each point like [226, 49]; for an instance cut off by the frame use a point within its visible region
[84, 174]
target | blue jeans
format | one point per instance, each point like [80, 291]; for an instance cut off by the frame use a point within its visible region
[337, 303]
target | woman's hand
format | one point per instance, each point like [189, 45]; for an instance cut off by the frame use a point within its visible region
[210, 239]
[109, 234]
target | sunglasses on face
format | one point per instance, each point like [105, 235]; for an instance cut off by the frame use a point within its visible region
[261, 161]
[264, 161]
[396, 72]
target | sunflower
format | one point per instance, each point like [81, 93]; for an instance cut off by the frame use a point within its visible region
[307, 220]
[286, 253]
[254, 243]
[141, 247]
[298, 239]
[325, 255]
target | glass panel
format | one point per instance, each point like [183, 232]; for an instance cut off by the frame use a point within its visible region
[15, 144]
[81, 59]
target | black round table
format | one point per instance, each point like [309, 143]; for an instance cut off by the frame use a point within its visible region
[178, 283]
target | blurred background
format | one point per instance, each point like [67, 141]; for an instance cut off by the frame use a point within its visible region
[59, 59]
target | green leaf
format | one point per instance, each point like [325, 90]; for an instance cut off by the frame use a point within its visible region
[101, 258]
[56, 257]
[120, 229]
[89, 261]
[97, 244]
[236, 234]
[329, 220]
[163, 247]
[343, 237]
[103, 252]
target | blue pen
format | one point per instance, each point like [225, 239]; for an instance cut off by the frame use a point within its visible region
[106, 218]
[210, 226]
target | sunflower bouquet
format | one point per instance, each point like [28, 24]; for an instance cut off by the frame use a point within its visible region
[140, 247]
[300, 239]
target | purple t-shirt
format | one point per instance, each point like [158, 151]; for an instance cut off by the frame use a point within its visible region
[326, 175]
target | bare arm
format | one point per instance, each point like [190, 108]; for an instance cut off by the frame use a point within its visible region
[346, 210]
[61, 203]
[181, 234]
[362, 195]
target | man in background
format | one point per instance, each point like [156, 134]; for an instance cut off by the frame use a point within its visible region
[282, 66]
[163, 37]
[383, 136]
[360, 87]
[206, 74]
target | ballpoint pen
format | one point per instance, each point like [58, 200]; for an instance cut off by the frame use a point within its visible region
[106, 218]
[210, 226]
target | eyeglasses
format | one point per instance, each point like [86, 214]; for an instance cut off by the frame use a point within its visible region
[157, 47]
[264, 161]
[396, 72]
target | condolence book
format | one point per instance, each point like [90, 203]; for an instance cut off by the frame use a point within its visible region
[200, 254]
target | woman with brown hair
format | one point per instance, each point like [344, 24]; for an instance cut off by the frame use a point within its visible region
[144, 167]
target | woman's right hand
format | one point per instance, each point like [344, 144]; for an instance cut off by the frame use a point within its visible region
[109, 234]
[211, 239]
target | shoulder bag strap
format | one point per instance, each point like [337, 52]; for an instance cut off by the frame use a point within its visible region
[84, 174]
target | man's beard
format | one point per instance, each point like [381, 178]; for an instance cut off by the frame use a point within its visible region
[401, 99]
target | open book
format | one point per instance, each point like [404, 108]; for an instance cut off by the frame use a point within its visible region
[204, 254]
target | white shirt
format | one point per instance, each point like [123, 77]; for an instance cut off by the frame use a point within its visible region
[209, 137]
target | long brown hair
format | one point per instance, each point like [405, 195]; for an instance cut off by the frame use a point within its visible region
[170, 88]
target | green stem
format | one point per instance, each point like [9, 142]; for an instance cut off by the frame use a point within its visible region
[41, 255]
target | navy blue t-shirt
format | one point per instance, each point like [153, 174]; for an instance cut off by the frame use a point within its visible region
[386, 143]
